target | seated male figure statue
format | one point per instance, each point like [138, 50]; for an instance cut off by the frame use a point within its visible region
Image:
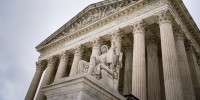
[105, 67]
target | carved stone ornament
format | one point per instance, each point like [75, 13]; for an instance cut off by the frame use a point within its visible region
[178, 33]
[164, 17]
[79, 50]
[60, 43]
[105, 67]
[116, 36]
[52, 60]
[189, 46]
[65, 55]
[41, 65]
[139, 26]
[97, 42]
[96, 14]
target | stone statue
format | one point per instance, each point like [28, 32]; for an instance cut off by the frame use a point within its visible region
[111, 9]
[105, 67]
[96, 15]
[89, 17]
[73, 28]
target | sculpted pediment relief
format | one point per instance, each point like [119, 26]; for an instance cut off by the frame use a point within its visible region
[90, 14]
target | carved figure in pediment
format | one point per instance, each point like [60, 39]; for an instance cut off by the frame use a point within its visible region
[73, 28]
[105, 67]
[118, 6]
[126, 2]
[84, 20]
[96, 14]
[89, 17]
[111, 9]
[104, 10]
[78, 24]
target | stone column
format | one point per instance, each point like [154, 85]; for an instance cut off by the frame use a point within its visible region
[47, 77]
[62, 66]
[194, 69]
[139, 87]
[96, 51]
[154, 89]
[128, 52]
[116, 39]
[96, 48]
[40, 66]
[173, 88]
[184, 70]
[77, 57]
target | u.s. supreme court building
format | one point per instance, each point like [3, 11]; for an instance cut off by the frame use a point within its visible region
[121, 50]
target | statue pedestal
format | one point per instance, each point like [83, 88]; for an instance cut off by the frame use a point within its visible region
[80, 87]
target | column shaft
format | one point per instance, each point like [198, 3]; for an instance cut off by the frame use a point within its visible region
[47, 77]
[128, 73]
[194, 70]
[77, 57]
[139, 88]
[154, 89]
[173, 88]
[62, 66]
[35, 82]
[184, 67]
[96, 51]
[128, 53]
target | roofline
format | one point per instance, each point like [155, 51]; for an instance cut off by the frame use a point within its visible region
[89, 7]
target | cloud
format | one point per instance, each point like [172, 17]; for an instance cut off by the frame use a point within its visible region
[26, 23]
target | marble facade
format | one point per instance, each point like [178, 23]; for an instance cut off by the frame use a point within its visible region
[147, 48]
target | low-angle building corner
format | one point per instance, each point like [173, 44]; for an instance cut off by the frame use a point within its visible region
[121, 50]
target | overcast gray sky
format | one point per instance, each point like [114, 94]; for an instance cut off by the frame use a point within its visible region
[24, 24]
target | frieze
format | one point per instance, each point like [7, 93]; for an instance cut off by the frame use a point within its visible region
[58, 44]
[141, 10]
[94, 15]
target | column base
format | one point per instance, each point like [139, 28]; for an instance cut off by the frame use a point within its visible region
[80, 87]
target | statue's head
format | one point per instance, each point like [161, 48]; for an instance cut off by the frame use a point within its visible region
[104, 48]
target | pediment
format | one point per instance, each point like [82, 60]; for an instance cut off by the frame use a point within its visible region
[90, 14]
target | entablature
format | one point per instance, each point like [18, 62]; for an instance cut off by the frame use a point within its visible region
[142, 8]
[90, 14]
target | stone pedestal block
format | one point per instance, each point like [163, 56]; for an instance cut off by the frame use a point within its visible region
[80, 87]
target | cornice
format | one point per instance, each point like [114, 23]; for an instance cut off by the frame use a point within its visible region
[187, 21]
[93, 25]
[79, 15]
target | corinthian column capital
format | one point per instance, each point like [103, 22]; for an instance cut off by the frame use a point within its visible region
[65, 55]
[79, 50]
[52, 60]
[40, 65]
[97, 42]
[139, 26]
[164, 16]
[178, 33]
[189, 46]
[116, 36]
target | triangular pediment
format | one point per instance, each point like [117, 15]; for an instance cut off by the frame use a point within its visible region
[90, 14]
